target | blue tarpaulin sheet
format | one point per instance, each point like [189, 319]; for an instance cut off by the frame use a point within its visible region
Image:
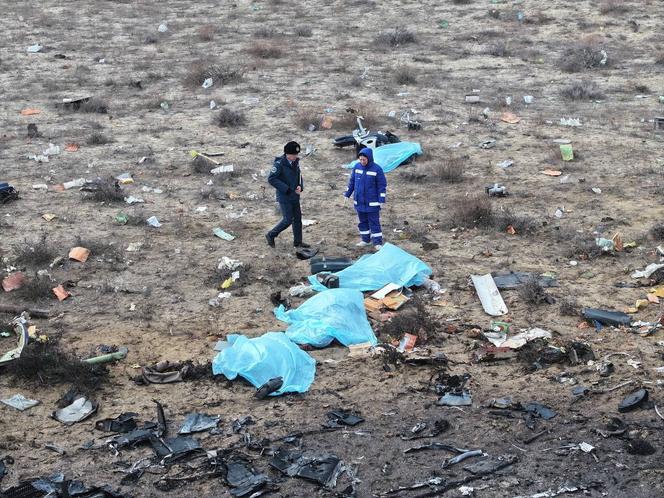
[390, 156]
[334, 314]
[263, 358]
[374, 271]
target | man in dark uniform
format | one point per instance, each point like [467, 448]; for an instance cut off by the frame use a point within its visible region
[285, 176]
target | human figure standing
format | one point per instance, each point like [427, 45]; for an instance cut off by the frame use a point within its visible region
[368, 186]
[286, 177]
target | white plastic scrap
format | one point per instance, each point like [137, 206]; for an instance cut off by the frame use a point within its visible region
[153, 222]
[216, 301]
[234, 216]
[228, 168]
[33, 49]
[528, 99]
[227, 263]
[586, 448]
[649, 270]
[213, 104]
[134, 246]
[208, 83]
[162, 28]
[79, 182]
[466, 490]
[506, 163]
[133, 200]
[301, 290]
[52, 150]
[570, 122]
[20, 402]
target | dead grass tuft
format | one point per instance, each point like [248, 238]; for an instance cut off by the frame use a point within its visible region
[266, 32]
[614, 7]
[207, 32]
[221, 74]
[531, 292]
[98, 138]
[396, 37]
[107, 190]
[583, 55]
[303, 31]
[266, 50]
[307, 117]
[47, 364]
[415, 320]
[100, 247]
[227, 118]
[499, 49]
[37, 289]
[659, 58]
[474, 211]
[404, 75]
[34, 253]
[582, 90]
[95, 104]
[569, 307]
[522, 224]
[656, 232]
[449, 168]
[582, 247]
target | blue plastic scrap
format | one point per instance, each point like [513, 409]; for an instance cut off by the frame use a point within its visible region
[263, 358]
[374, 271]
[334, 314]
[391, 156]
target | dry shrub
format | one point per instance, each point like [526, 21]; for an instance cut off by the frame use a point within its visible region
[522, 224]
[266, 50]
[396, 37]
[307, 117]
[206, 33]
[499, 49]
[34, 253]
[471, 212]
[46, 364]
[303, 31]
[614, 7]
[582, 90]
[657, 231]
[348, 120]
[659, 58]
[582, 247]
[265, 32]
[531, 292]
[37, 289]
[94, 104]
[449, 168]
[221, 74]
[415, 320]
[100, 247]
[202, 165]
[107, 190]
[98, 138]
[404, 75]
[583, 55]
[569, 307]
[227, 118]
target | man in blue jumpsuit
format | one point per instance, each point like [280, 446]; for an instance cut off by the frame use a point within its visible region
[285, 176]
[368, 184]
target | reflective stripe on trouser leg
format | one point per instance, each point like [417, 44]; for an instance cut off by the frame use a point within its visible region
[374, 226]
[363, 225]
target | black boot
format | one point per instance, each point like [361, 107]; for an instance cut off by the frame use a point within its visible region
[270, 240]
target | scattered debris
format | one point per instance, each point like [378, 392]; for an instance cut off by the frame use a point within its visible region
[19, 402]
[486, 289]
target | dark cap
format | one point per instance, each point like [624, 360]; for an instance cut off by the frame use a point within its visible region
[292, 148]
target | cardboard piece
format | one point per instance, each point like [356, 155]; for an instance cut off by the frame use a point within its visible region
[509, 117]
[79, 254]
[61, 293]
[30, 112]
[13, 282]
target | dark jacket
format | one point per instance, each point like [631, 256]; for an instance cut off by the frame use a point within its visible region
[369, 185]
[286, 178]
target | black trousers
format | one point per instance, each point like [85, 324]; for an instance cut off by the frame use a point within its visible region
[291, 215]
